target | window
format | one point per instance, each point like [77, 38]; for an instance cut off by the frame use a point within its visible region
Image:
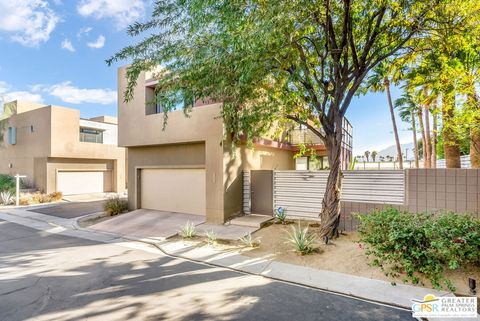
[12, 135]
[90, 135]
[301, 163]
[153, 107]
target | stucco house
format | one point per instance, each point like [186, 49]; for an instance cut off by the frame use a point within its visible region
[189, 166]
[59, 151]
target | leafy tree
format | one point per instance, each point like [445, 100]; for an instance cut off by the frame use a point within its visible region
[271, 61]
[374, 155]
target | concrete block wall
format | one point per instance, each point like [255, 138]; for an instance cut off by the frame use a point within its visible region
[456, 190]
[443, 189]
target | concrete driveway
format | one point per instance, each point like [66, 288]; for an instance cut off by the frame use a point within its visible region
[52, 277]
[71, 210]
[145, 223]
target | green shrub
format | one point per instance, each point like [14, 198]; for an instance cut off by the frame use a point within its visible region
[250, 241]
[413, 244]
[302, 241]
[115, 205]
[7, 183]
[188, 230]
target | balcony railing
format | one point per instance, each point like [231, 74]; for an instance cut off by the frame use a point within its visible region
[298, 136]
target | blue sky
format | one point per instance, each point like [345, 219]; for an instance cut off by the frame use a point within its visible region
[54, 52]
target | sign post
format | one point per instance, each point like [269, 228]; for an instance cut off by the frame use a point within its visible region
[17, 190]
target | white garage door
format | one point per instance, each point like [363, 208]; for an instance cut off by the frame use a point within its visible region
[70, 183]
[173, 190]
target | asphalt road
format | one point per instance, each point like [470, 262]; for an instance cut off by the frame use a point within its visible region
[71, 210]
[52, 277]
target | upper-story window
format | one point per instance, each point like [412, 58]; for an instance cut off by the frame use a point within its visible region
[90, 135]
[152, 106]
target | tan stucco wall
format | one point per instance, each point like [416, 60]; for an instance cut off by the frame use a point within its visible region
[246, 158]
[56, 134]
[136, 129]
[30, 145]
[149, 145]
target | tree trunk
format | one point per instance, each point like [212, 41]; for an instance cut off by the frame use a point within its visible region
[474, 130]
[386, 82]
[330, 214]
[422, 132]
[415, 141]
[450, 141]
[475, 143]
[434, 140]
[428, 145]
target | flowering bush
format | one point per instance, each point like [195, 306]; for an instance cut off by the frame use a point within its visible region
[420, 243]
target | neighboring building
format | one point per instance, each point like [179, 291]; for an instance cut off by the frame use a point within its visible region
[59, 151]
[190, 167]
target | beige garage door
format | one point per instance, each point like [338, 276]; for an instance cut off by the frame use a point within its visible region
[173, 190]
[70, 183]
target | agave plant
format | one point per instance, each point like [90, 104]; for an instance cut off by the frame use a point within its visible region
[280, 215]
[250, 241]
[6, 198]
[303, 242]
[188, 230]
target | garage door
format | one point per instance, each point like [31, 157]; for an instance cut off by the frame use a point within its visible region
[70, 183]
[173, 190]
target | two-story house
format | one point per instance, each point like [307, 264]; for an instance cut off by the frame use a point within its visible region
[59, 151]
[189, 167]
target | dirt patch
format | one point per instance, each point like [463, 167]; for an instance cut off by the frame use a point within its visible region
[342, 255]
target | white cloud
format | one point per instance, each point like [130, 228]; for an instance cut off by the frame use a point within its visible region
[123, 12]
[7, 96]
[67, 44]
[30, 22]
[83, 31]
[74, 95]
[97, 44]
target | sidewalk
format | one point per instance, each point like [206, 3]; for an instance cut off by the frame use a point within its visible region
[343, 284]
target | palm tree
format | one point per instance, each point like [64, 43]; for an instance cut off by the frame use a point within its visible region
[374, 155]
[408, 108]
[380, 80]
[367, 155]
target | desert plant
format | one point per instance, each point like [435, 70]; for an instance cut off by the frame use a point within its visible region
[188, 230]
[6, 198]
[115, 205]
[56, 196]
[24, 201]
[41, 198]
[302, 241]
[414, 244]
[250, 241]
[211, 237]
[280, 215]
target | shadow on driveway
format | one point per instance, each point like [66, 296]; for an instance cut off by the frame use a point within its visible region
[71, 210]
